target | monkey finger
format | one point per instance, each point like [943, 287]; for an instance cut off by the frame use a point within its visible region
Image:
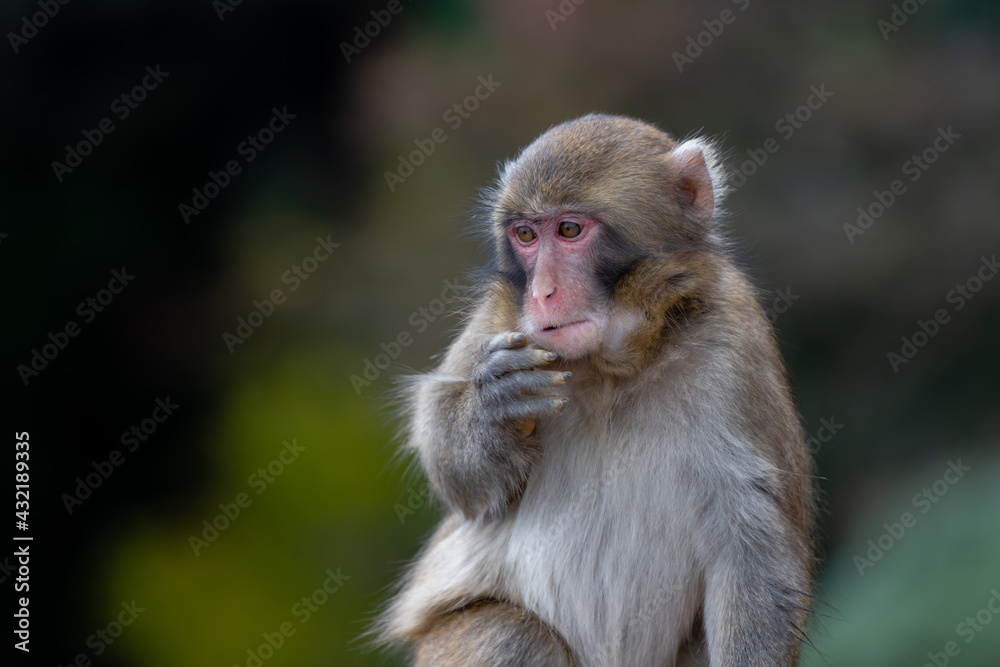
[507, 340]
[506, 361]
[529, 382]
[520, 410]
[555, 404]
[551, 378]
[544, 357]
[522, 384]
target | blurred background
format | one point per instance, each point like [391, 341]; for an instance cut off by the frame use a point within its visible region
[203, 358]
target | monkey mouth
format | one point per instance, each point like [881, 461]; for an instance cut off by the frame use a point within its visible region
[569, 340]
[557, 327]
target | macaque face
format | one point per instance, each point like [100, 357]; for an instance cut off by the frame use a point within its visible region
[564, 306]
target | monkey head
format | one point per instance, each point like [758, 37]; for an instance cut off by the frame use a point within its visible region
[583, 220]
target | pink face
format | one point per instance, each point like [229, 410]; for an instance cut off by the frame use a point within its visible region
[563, 309]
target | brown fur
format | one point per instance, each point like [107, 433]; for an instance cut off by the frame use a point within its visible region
[491, 634]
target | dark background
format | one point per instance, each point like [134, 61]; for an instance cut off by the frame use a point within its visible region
[342, 505]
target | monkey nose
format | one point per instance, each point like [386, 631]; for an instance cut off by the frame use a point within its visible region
[546, 302]
[542, 292]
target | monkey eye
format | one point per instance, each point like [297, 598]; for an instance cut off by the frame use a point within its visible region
[525, 234]
[569, 229]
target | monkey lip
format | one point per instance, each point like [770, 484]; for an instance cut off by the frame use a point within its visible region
[569, 340]
[560, 327]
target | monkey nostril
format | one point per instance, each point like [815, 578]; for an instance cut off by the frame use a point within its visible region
[543, 294]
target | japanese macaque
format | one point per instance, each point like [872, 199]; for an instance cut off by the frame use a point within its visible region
[624, 473]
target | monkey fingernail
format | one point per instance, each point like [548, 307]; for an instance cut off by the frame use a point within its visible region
[549, 356]
[560, 378]
[518, 337]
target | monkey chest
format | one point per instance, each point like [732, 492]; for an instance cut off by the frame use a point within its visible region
[602, 545]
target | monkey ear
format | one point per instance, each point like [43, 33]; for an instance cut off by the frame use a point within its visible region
[695, 190]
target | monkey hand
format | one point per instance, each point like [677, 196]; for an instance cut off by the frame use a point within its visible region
[512, 388]
[473, 436]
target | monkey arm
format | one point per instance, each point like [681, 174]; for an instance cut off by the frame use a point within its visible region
[474, 466]
[757, 586]
[758, 537]
[467, 419]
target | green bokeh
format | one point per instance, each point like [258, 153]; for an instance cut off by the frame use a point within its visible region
[326, 510]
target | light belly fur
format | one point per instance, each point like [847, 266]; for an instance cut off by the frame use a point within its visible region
[621, 586]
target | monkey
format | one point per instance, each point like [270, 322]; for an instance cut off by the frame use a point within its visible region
[612, 437]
